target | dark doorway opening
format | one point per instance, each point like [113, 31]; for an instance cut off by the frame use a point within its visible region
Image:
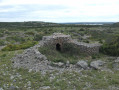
[58, 47]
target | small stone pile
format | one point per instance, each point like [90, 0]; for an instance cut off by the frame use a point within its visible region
[31, 59]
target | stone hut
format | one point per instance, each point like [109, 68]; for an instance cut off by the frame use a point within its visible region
[58, 39]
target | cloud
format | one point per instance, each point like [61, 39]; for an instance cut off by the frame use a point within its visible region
[59, 10]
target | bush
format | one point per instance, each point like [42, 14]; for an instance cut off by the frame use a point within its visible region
[1, 34]
[30, 33]
[86, 41]
[16, 38]
[111, 48]
[38, 37]
[82, 29]
[95, 56]
[2, 42]
[12, 47]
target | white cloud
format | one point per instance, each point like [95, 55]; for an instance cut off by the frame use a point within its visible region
[65, 10]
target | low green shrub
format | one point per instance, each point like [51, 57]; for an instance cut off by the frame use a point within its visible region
[16, 39]
[1, 34]
[111, 48]
[38, 37]
[2, 42]
[12, 47]
[86, 41]
[95, 56]
[82, 29]
[30, 33]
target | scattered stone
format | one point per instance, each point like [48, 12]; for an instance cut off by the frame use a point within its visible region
[52, 77]
[44, 87]
[43, 73]
[1, 88]
[31, 59]
[30, 70]
[82, 64]
[5, 86]
[117, 60]
[111, 58]
[67, 64]
[14, 80]
[12, 77]
[59, 64]
[12, 88]
[116, 66]
[29, 83]
[97, 64]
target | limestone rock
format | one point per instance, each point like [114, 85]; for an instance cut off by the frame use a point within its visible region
[1, 88]
[30, 59]
[82, 64]
[59, 64]
[116, 66]
[117, 60]
[45, 88]
[67, 64]
[97, 64]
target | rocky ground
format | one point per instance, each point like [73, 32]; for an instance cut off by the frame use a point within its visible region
[32, 59]
[31, 70]
[35, 72]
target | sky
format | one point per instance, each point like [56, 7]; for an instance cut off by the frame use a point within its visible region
[59, 10]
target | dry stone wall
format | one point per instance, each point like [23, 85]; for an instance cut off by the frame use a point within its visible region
[61, 39]
[56, 38]
[87, 48]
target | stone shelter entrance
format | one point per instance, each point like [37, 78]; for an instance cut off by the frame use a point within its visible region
[58, 47]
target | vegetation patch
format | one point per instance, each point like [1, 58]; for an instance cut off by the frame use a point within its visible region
[12, 47]
[16, 39]
[112, 48]
[2, 42]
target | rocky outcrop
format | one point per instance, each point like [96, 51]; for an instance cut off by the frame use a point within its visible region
[117, 60]
[97, 64]
[31, 59]
[116, 64]
[82, 64]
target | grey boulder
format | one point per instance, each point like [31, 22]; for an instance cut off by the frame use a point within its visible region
[82, 64]
[117, 60]
[97, 64]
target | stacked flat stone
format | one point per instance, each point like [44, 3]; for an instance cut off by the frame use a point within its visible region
[87, 48]
[56, 38]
